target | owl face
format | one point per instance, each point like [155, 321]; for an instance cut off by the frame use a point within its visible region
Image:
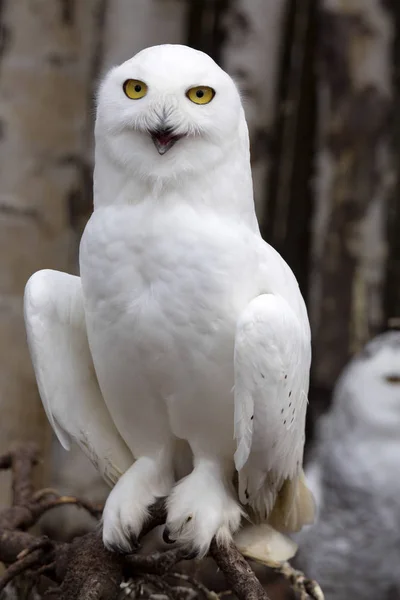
[371, 384]
[170, 109]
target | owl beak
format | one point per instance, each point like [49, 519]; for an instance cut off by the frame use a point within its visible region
[164, 139]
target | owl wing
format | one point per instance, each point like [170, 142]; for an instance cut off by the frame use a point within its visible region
[66, 378]
[272, 362]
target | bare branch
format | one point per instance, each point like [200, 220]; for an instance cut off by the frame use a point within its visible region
[86, 570]
[197, 585]
[17, 568]
[240, 577]
[158, 563]
[24, 459]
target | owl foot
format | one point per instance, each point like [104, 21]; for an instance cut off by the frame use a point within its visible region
[200, 507]
[127, 505]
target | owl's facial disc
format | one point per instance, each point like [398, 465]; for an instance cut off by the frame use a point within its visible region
[164, 139]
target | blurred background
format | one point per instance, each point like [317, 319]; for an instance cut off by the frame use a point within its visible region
[321, 87]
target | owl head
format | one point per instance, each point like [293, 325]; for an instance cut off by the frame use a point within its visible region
[368, 392]
[168, 111]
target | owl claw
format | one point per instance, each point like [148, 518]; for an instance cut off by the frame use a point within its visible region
[166, 537]
[134, 542]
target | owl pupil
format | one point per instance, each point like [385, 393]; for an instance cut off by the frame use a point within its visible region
[199, 93]
[138, 88]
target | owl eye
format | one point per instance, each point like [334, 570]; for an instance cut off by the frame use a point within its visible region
[201, 94]
[135, 89]
[393, 378]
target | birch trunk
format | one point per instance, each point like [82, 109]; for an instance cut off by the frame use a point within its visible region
[289, 196]
[353, 183]
[45, 66]
[392, 287]
[132, 26]
[251, 52]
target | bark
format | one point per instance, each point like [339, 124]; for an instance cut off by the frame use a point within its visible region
[132, 26]
[45, 67]
[250, 52]
[289, 195]
[392, 287]
[353, 183]
[206, 30]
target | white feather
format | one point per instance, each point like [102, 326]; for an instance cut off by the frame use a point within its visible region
[55, 323]
[272, 362]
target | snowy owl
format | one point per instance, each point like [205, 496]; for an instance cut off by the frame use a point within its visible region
[353, 550]
[181, 354]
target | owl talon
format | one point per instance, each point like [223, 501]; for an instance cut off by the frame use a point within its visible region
[134, 542]
[166, 537]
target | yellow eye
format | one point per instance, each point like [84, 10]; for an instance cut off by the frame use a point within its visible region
[135, 89]
[201, 94]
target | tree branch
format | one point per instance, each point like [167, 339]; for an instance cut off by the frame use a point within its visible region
[85, 570]
[240, 577]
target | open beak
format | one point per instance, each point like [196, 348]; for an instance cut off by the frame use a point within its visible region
[164, 139]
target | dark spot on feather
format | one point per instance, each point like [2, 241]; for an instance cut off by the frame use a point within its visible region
[290, 404]
[290, 393]
[246, 493]
[291, 420]
[281, 411]
[284, 422]
[263, 376]
[252, 417]
[285, 376]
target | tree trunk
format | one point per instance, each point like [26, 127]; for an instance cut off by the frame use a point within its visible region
[353, 183]
[45, 63]
[289, 195]
[251, 51]
[392, 288]
[134, 25]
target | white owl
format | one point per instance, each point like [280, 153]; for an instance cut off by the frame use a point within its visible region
[182, 352]
[353, 549]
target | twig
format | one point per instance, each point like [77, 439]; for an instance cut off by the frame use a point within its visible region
[40, 494]
[17, 568]
[39, 508]
[37, 544]
[46, 569]
[161, 585]
[158, 563]
[208, 594]
[23, 461]
[238, 574]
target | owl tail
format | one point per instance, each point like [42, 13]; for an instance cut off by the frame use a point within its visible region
[294, 506]
[264, 544]
[288, 511]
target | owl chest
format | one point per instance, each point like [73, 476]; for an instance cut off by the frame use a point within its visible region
[170, 288]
